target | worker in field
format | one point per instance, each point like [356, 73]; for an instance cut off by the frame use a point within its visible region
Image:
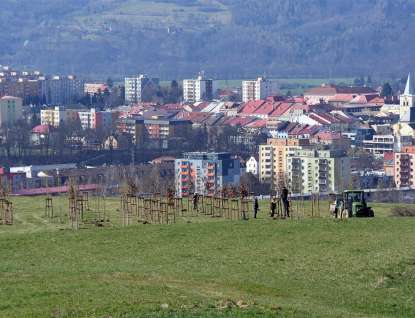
[273, 206]
[285, 202]
[195, 201]
[256, 207]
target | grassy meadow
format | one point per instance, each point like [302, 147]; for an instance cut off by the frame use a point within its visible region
[206, 267]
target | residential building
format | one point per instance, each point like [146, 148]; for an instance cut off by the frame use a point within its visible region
[404, 163]
[272, 164]
[43, 135]
[379, 144]
[258, 89]
[26, 89]
[200, 89]
[53, 116]
[10, 110]
[59, 90]
[155, 128]
[252, 164]
[136, 87]
[326, 93]
[312, 170]
[205, 173]
[97, 120]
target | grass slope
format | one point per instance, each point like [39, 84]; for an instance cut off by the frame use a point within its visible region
[203, 266]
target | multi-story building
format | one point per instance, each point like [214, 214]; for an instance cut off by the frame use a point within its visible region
[207, 172]
[155, 128]
[10, 110]
[59, 114]
[259, 89]
[200, 89]
[403, 166]
[53, 117]
[311, 170]
[60, 90]
[135, 87]
[97, 120]
[272, 164]
[380, 144]
[26, 89]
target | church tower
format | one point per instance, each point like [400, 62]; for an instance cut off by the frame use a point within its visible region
[407, 99]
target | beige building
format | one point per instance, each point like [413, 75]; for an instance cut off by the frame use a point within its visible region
[272, 158]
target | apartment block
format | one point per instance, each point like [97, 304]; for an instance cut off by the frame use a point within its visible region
[312, 170]
[59, 90]
[22, 88]
[155, 128]
[53, 117]
[258, 89]
[403, 166]
[208, 172]
[10, 110]
[97, 120]
[200, 89]
[135, 87]
[273, 158]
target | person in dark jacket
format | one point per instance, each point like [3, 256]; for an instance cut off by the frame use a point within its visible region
[256, 206]
[273, 207]
[195, 201]
[285, 203]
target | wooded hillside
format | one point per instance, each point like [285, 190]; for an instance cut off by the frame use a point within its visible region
[226, 38]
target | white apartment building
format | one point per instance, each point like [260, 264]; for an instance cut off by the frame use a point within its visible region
[200, 89]
[258, 89]
[135, 86]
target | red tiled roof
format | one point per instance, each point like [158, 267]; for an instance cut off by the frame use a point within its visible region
[342, 97]
[332, 89]
[258, 124]
[328, 135]
[43, 129]
[280, 109]
[250, 107]
[387, 156]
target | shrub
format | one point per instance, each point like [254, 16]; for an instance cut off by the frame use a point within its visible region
[403, 210]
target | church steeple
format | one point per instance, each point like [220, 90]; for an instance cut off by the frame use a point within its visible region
[407, 99]
[409, 88]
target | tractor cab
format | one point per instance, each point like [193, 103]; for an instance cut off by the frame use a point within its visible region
[352, 204]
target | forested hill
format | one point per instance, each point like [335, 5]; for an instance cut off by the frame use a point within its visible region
[226, 38]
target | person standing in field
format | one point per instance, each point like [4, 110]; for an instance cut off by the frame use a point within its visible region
[273, 207]
[284, 198]
[256, 206]
[195, 201]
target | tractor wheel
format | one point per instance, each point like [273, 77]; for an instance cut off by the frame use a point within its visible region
[370, 213]
[345, 213]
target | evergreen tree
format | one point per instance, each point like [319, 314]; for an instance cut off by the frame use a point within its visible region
[109, 82]
[386, 90]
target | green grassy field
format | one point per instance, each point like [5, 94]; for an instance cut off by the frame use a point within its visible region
[204, 266]
[162, 15]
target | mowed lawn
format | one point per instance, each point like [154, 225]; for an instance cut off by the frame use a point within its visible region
[204, 266]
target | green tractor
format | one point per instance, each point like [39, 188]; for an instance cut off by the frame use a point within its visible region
[352, 203]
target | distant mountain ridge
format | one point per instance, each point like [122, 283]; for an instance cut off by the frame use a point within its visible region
[225, 38]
